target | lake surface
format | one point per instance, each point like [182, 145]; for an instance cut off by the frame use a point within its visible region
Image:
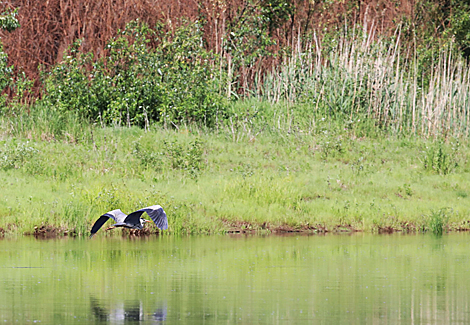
[361, 279]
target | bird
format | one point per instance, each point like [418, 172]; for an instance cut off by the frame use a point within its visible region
[133, 220]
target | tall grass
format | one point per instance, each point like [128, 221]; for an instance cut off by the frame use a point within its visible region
[438, 221]
[45, 123]
[355, 77]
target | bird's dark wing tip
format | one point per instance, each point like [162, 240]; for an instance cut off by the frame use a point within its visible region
[99, 223]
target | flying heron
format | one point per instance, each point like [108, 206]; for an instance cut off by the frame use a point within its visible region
[133, 220]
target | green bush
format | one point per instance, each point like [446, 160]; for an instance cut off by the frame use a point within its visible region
[137, 84]
[8, 22]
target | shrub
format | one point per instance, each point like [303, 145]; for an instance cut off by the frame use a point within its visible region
[137, 84]
[8, 22]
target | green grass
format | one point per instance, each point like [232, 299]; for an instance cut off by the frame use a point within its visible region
[249, 174]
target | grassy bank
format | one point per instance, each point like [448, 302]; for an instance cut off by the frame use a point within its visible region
[58, 175]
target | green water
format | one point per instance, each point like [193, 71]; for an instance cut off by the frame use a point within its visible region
[253, 280]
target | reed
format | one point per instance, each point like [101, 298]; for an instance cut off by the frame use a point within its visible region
[360, 78]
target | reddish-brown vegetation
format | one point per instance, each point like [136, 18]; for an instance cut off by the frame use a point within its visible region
[49, 27]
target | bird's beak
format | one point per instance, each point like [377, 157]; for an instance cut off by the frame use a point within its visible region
[147, 220]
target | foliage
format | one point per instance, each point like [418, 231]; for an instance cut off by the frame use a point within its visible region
[135, 84]
[6, 73]
[254, 35]
[248, 40]
[444, 23]
[276, 12]
[9, 20]
[437, 26]
[460, 27]
[370, 85]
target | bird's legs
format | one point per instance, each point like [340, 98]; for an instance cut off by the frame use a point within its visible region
[112, 227]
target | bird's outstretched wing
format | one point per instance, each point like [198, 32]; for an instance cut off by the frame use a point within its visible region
[116, 215]
[155, 212]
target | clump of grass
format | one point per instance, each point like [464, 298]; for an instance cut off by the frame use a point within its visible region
[148, 158]
[437, 220]
[15, 155]
[185, 157]
[440, 159]
[405, 190]
[330, 146]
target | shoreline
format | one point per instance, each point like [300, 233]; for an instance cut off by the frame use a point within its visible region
[51, 232]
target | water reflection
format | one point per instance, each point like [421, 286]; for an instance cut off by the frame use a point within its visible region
[243, 279]
[125, 312]
[99, 312]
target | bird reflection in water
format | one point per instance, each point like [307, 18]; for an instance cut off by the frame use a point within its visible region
[129, 311]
